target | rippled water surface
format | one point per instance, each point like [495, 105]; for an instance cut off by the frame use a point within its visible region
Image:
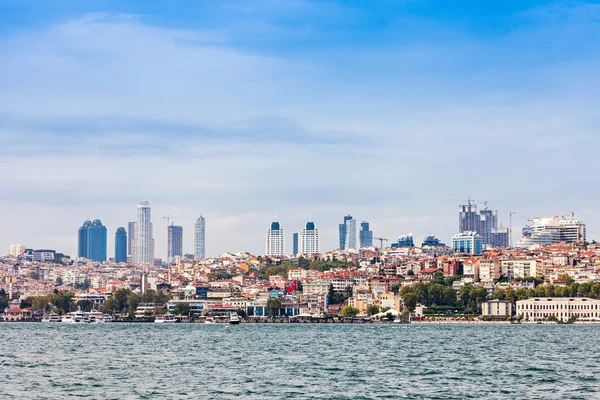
[298, 361]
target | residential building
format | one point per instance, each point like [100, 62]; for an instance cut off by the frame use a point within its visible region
[365, 235]
[200, 238]
[347, 232]
[489, 269]
[92, 241]
[16, 250]
[467, 242]
[121, 245]
[275, 240]
[561, 308]
[144, 240]
[309, 240]
[175, 242]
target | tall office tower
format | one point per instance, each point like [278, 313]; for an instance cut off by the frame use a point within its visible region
[82, 242]
[200, 238]
[175, 244]
[295, 246]
[468, 220]
[309, 240]
[131, 241]
[275, 240]
[92, 241]
[366, 235]
[343, 228]
[143, 235]
[499, 237]
[121, 245]
[350, 241]
[488, 221]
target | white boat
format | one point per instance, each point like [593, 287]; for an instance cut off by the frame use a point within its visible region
[76, 317]
[95, 317]
[52, 317]
[209, 320]
[165, 319]
[234, 320]
[107, 318]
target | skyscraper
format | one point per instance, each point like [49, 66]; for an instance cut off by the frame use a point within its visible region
[484, 223]
[200, 238]
[468, 220]
[92, 241]
[82, 243]
[309, 240]
[343, 228]
[131, 241]
[121, 245]
[366, 235]
[175, 243]
[275, 240]
[143, 235]
[295, 246]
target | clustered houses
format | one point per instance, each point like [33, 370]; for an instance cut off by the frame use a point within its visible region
[233, 282]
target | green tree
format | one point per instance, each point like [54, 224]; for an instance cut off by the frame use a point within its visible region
[372, 310]
[182, 309]
[59, 281]
[410, 272]
[274, 306]
[410, 301]
[349, 311]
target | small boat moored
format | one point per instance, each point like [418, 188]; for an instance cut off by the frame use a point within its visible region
[234, 320]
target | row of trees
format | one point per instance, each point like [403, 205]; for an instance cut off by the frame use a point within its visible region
[316, 265]
[125, 301]
[574, 289]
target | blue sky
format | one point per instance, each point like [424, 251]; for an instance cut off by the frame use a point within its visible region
[234, 109]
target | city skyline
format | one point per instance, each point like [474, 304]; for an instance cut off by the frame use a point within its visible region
[390, 95]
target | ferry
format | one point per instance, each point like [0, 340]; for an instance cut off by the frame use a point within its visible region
[52, 317]
[95, 317]
[165, 319]
[76, 317]
[108, 318]
[234, 320]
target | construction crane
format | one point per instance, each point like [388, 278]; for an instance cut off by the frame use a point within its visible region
[510, 229]
[469, 201]
[381, 240]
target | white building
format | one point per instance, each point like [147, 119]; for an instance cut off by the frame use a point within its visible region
[310, 243]
[275, 240]
[467, 242]
[16, 250]
[519, 268]
[200, 238]
[562, 308]
[547, 231]
[144, 240]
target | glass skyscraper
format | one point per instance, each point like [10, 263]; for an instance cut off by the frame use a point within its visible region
[121, 245]
[295, 244]
[92, 241]
[366, 235]
[345, 233]
[175, 243]
[200, 238]
[310, 243]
